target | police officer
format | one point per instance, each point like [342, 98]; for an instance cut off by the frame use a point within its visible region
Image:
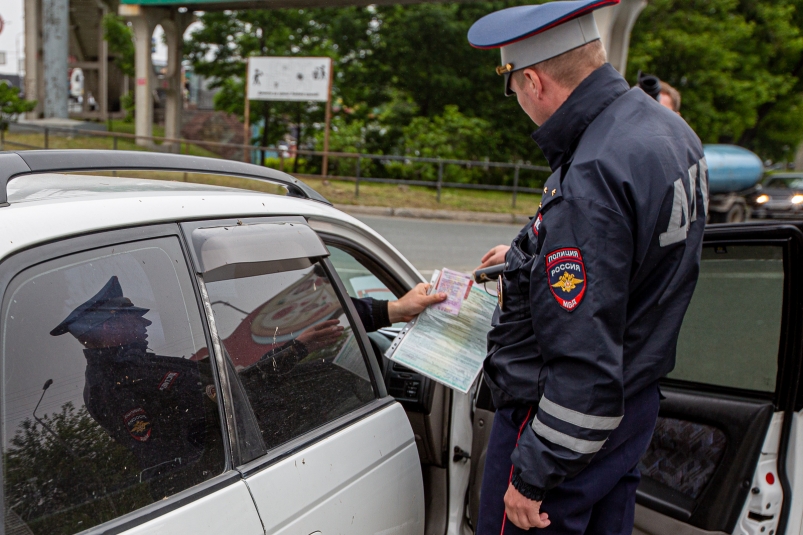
[595, 286]
[152, 404]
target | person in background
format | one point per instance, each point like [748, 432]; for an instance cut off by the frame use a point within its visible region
[669, 97]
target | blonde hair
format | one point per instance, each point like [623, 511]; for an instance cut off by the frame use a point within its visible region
[572, 67]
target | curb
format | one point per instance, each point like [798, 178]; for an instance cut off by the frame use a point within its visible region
[426, 213]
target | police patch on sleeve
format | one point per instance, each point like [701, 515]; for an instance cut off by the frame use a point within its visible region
[138, 424]
[566, 276]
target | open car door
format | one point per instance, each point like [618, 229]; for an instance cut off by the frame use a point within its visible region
[717, 460]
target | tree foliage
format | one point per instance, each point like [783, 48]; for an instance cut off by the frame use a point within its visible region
[121, 42]
[72, 478]
[737, 63]
[11, 104]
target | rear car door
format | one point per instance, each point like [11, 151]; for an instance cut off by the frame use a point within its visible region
[717, 460]
[714, 463]
[322, 447]
[113, 433]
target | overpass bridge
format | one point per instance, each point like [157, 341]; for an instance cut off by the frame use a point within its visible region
[68, 33]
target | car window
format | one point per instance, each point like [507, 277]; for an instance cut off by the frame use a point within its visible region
[107, 405]
[293, 347]
[731, 332]
[359, 281]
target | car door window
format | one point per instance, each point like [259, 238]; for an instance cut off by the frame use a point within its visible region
[731, 332]
[109, 402]
[358, 280]
[293, 347]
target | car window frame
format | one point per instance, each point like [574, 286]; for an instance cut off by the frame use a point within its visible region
[313, 436]
[13, 265]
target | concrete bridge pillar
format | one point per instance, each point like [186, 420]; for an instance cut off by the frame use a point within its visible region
[144, 21]
[55, 49]
[174, 28]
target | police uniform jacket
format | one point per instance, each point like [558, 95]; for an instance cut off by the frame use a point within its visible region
[152, 404]
[597, 283]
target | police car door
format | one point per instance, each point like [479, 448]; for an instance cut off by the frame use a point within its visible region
[722, 455]
[322, 447]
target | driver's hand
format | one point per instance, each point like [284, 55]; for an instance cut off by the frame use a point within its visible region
[413, 303]
[493, 257]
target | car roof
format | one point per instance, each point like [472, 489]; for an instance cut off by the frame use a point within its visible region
[47, 207]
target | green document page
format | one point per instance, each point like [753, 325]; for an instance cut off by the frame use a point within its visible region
[447, 347]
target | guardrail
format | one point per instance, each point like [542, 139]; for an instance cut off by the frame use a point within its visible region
[182, 145]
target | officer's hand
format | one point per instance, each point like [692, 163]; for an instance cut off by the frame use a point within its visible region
[320, 335]
[494, 256]
[413, 303]
[523, 512]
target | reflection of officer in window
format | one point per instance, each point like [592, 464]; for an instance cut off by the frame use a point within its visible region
[151, 404]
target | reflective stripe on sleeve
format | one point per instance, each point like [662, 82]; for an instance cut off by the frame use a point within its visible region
[562, 439]
[579, 419]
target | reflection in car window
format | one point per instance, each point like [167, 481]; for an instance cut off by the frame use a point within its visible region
[293, 348]
[731, 332]
[107, 405]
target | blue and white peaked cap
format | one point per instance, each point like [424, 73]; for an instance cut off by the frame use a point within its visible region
[531, 34]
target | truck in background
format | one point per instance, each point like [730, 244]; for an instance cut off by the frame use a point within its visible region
[733, 174]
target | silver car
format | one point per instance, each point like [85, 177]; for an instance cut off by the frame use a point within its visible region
[182, 358]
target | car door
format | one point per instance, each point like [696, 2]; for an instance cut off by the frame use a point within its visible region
[717, 460]
[118, 434]
[322, 447]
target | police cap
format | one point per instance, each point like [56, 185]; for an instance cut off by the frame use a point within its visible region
[531, 34]
[104, 305]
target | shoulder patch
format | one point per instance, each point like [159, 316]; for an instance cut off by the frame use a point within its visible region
[138, 424]
[566, 276]
[167, 381]
[537, 224]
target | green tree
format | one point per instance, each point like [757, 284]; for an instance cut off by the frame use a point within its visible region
[120, 37]
[121, 42]
[72, 478]
[11, 104]
[737, 63]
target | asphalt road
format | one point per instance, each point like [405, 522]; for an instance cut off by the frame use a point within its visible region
[432, 244]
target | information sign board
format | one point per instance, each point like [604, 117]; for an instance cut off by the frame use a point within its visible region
[289, 78]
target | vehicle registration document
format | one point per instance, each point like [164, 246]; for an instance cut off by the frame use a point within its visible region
[447, 342]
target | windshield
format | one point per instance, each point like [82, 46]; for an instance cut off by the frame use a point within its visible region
[794, 182]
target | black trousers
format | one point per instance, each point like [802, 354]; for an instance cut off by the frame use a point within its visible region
[600, 500]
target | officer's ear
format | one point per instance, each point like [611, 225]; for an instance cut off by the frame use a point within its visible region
[530, 82]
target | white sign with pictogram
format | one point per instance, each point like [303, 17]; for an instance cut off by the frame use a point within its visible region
[289, 78]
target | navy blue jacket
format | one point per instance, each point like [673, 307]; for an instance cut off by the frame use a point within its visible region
[596, 285]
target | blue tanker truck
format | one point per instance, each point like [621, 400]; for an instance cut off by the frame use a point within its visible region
[733, 173]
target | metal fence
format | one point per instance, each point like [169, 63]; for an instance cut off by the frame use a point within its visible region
[502, 171]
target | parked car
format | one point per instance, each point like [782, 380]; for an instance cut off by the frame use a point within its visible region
[779, 196]
[216, 421]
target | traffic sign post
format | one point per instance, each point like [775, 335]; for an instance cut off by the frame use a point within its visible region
[299, 79]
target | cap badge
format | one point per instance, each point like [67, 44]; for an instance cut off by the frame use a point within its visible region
[504, 69]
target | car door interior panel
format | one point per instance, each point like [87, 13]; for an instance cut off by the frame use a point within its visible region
[702, 456]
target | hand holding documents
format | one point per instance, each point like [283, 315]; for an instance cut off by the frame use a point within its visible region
[447, 342]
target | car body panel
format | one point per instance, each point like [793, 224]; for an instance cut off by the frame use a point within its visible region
[229, 510]
[344, 483]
